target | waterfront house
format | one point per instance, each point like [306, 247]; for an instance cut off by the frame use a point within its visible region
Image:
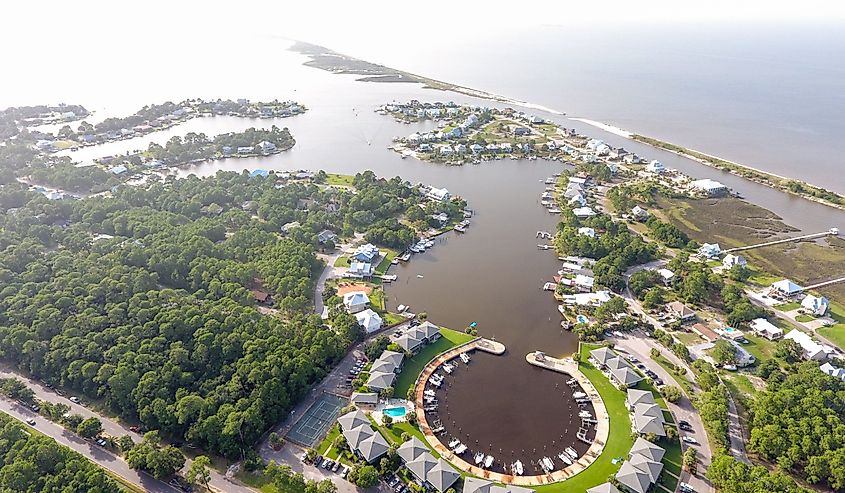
[369, 320]
[578, 180]
[577, 200]
[415, 338]
[812, 350]
[709, 187]
[649, 450]
[478, 485]
[366, 443]
[367, 400]
[731, 260]
[360, 270]
[640, 472]
[226, 150]
[438, 194]
[572, 190]
[424, 147]
[326, 236]
[655, 167]
[618, 153]
[604, 488]
[366, 253]
[816, 305]
[379, 380]
[585, 231]
[639, 214]
[631, 159]
[587, 299]
[705, 332]
[446, 150]
[476, 148]
[266, 147]
[583, 212]
[584, 283]
[245, 150]
[710, 250]
[355, 301]
[593, 144]
[648, 418]
[680, 311]
[551, 145]
[636, 396]
[434, 473]
[766, 329]
[352, 420]
[494, 148]
[619, 370]
[785, 287]
[460, 148]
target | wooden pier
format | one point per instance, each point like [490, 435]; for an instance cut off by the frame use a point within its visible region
[830, 232]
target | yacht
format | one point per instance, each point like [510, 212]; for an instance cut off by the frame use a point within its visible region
[465, 358]
[572, 453]
[488, 461]
[564, 458]
[517, 468]
[479, 458]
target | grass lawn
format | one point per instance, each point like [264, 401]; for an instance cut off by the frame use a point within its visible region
[804, 318]
[391, 318]
[377, 298]
[672, 462]
[739, 386]
[785, 307]
[682, 381]
[336, 179]
[342, 261]
[761, 278]
[334, 432]
[257, 480]
[836, 332]
[688, 338]
[619, 440]
[760, 347]
[413, 366]
[389, 255]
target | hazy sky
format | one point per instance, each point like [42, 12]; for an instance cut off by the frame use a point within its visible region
[48, 24]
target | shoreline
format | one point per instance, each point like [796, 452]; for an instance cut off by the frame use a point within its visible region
[380, 73]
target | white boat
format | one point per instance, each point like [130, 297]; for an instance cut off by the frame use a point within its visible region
[479, 458]
[401, 308]
[547, 464]
[549, 286]
[572, 453]
[429, 243]
[460, 449]
[465, 358]
[454, 443]
[488, 461]
[579, 395]
[554, 210]
[564, 458]
[448, 368]
[585, 414]
[517, 468]
[420, 276]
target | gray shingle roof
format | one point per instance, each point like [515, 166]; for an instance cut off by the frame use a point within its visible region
[633, 478]
[442, 475]
[412, 449]
[380, 380]
[604, 488]
[647, 449]
[353, 420]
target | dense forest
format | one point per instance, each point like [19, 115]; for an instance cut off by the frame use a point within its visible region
[180, 150]
[143, 299]
[34, 463]
[799, 424]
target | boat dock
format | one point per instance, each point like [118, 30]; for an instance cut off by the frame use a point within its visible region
[830, 232]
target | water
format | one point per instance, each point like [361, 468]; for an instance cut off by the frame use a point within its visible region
[395, 412]
[492, 274]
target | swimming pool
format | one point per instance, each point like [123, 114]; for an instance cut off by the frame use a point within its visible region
[395, 412]
[581, 319]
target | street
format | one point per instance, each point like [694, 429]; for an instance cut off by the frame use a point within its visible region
[95, 453]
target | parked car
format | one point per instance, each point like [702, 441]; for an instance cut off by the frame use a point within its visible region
[690, 440]
[683, 422]
[135, 429]
[74, 399]
[318, 461]
[685, 427]
[685, 487]
[345, 472]
[30, 421]
[328, 464]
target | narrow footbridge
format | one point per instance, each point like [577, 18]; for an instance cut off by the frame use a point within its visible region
[830, 232]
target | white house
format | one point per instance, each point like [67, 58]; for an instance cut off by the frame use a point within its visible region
[815, 305]
[369, 320]
[360, 269]
[582, 212]
[578, 200]
[587, 232]
[666, 274]
[731, 260]
[639, 213]
[355, 301]
[812, 349]
[366, 253]
[439, 194]
[584, 283]
[710, 250]
[709, 187]
[766, 329]
[743, 357]
[833, 371]
[655, 167]
[786, 287]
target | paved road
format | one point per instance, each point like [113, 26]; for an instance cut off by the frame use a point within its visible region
[114, 428]
[640, 347]
[330, 271]
[96, 454]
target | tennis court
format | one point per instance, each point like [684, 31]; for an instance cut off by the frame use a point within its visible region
[317, 420]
